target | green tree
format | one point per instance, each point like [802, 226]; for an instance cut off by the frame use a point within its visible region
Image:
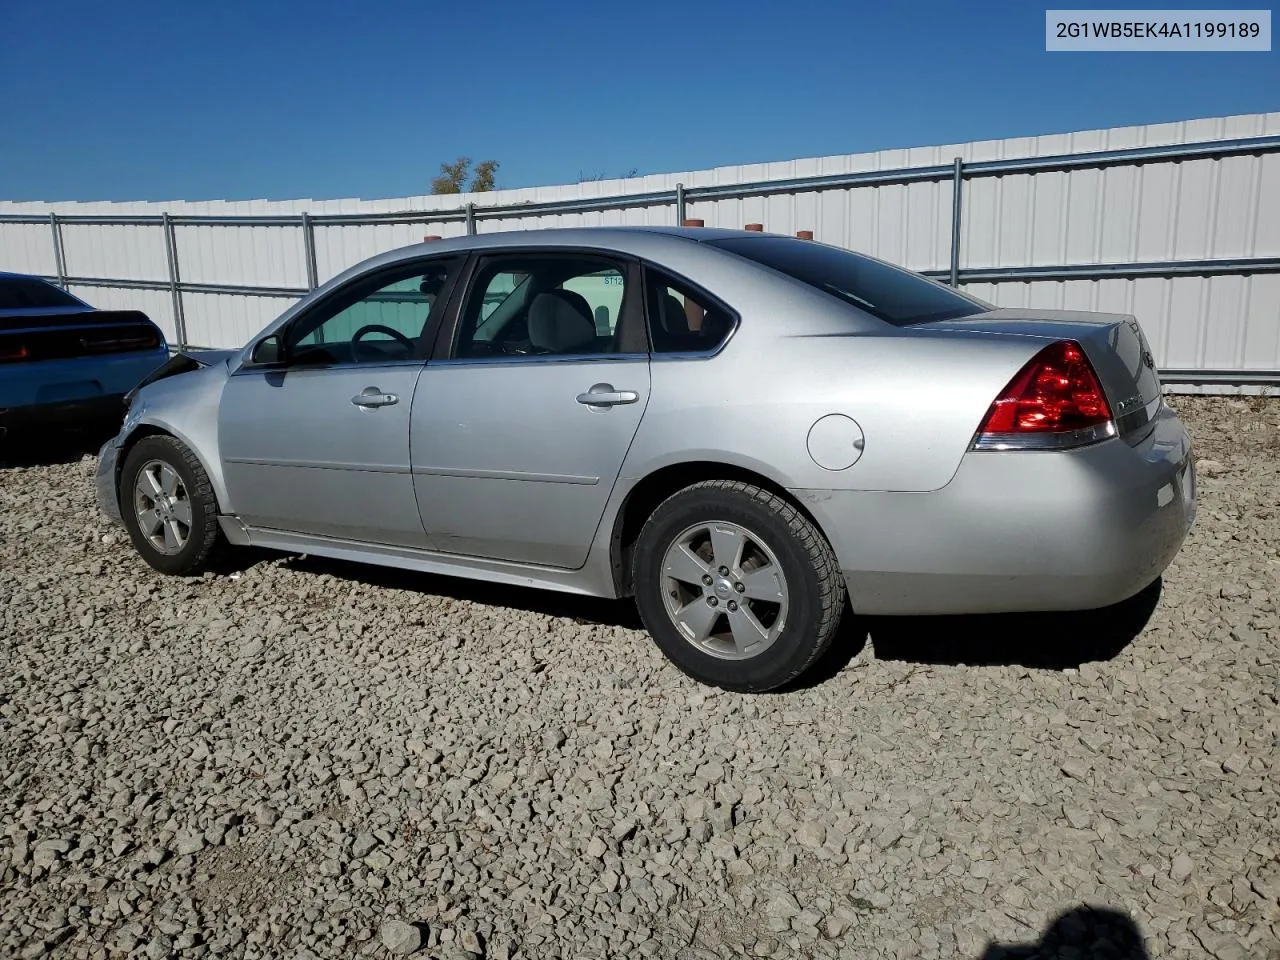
[482, 180]
[453, 176]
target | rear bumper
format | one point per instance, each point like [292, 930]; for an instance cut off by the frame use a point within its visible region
[62, 389]
[1019, 531]
[92, 410]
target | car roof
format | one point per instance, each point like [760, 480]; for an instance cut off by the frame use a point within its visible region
[638, 241]
[616, 237]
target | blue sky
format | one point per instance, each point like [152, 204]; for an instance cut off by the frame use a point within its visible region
[234, 100]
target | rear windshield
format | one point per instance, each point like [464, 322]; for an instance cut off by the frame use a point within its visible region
[26, 293]
[888, 293]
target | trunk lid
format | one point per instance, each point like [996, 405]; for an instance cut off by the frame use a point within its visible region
[1113, 342]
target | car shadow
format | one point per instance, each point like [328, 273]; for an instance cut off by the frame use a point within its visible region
[613, 613]
[1046, 641]
[52, 446]
[1040, 641]
[1043, 641]
[1082, 933]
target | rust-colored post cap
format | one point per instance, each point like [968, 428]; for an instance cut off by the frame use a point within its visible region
[756, 227]
[804, 234]
[695, 223]
[432, 236]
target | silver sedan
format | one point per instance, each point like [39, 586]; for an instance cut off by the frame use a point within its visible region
[747, 433]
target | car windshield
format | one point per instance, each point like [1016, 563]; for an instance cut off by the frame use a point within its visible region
[888, 293]
[27, 293]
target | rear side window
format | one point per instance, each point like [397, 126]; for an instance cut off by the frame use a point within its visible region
[888, 293]
[681, 320]
[28, 293]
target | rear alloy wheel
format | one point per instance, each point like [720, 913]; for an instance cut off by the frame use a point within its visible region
[168, 505]
[737, 587]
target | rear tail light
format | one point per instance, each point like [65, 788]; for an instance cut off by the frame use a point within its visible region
[1054, 402]
[80, 340]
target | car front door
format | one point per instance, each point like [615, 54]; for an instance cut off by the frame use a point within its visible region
[519, 431]
[318, 442]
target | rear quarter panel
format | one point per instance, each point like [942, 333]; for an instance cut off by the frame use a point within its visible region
[918, 397]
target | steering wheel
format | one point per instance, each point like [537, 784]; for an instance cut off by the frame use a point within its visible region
[394, 334]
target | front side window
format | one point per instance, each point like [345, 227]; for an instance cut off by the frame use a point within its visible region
[376, 320]
[553, 305]
[888, 293]
[682, 321]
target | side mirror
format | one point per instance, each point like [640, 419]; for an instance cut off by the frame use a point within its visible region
[267, 351]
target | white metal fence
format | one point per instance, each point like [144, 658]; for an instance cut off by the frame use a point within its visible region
[1176, 223]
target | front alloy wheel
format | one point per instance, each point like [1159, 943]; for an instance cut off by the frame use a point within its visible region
[168, 505]
[162, 507]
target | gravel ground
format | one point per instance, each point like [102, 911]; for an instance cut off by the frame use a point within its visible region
[294, 758]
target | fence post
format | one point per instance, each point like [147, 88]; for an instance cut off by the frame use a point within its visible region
[756, 227]
[171, 254]
[59, 255]
[680, 204]
[309, 248]
[956, 190]
[471, 219]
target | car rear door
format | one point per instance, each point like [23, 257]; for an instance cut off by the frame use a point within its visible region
[520, 428]
[319, 443]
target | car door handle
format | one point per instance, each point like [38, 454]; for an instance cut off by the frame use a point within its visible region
[603, 395]
[374, 397]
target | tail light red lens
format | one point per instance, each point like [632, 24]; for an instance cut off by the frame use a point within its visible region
[1055, 401]
[13, 354]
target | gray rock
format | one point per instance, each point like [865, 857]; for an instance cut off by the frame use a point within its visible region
[363, 845]
[1210, 468]
[553, 738]
[1182, 867]
[400, 937]
[811, 835]
[783, 906]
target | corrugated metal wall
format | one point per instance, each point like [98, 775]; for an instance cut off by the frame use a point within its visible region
[1156, 211]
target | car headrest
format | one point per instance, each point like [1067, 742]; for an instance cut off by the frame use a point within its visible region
[560, 321]
[674, 318]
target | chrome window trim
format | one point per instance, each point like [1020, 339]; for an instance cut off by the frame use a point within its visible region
[703, 354]
[308, 367]
[526, 359]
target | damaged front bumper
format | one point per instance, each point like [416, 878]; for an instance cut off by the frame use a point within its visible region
[108, 496]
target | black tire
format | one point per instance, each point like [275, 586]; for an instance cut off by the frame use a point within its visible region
[203, 534]
[814, 584]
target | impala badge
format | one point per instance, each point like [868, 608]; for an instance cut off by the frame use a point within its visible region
[1129, 403]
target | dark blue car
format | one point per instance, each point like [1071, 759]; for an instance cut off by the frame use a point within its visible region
[64, 362]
